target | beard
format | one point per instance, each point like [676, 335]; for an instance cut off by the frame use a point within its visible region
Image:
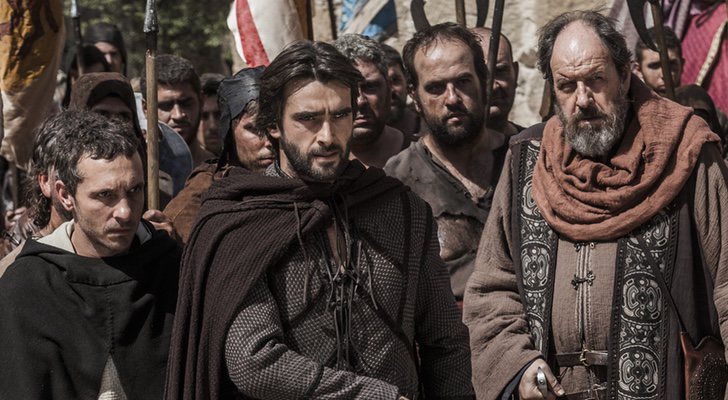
[304, 166]
[449, 135]
[595, 141]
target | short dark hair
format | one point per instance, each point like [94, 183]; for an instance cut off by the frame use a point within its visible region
[481, 32]
[210, 82]
[302, 60]
[671, 42]
[603, 26]
[392, 56]
[448, 31]
[79, 133]
[173, 70]
[359, 47]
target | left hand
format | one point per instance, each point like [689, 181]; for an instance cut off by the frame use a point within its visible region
[161, 222]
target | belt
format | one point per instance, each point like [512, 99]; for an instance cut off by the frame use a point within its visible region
[594, 394]
[585, 357]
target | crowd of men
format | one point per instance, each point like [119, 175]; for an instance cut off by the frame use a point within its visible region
[346, 224]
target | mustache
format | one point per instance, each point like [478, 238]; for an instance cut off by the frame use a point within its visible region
[588, 113]
[323, 151]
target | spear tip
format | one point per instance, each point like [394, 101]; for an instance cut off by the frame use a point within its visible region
[151, 24]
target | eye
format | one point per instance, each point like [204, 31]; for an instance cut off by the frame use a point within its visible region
[342, 114]
[166, 105]
[566, 86]
[435, 88]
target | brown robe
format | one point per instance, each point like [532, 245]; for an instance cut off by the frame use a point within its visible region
[501, 343]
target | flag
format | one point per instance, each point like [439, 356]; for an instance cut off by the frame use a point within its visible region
[374, 18]
[31, 43]
[262, 28]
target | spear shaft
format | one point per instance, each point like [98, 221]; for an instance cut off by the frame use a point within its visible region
[78, 38]
[151, 28]
[493, 53]
[662, 46]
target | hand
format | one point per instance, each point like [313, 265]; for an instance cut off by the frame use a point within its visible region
[161, 222]
[528, 389]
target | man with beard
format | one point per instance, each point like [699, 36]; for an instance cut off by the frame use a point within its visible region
[243, 146]
[373, 142]
[607, 238]
[400, 116]
[505, 81]
[339, 276]
[456, 165]
[179, 101]
[87, 311]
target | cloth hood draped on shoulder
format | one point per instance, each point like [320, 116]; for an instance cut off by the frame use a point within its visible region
[587, 200]
[267, 214]
[93, 87]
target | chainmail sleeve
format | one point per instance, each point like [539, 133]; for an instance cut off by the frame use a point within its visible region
[442, 337]
[263, 367]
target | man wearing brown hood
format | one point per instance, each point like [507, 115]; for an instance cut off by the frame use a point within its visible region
[608, 236]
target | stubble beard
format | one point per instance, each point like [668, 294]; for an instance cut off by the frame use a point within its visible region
[591, 141]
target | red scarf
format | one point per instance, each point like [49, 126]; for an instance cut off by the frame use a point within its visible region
[587, 200]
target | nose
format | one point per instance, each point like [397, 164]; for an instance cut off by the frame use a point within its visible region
[451, 95]
[361, 100]
[178, 112]
[583, 96]
[122, 211]
[325, 136]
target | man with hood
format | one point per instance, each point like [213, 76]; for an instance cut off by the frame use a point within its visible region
[243, 146]
[108, 39]
[87, 311]
[111, 94]
[339, 279]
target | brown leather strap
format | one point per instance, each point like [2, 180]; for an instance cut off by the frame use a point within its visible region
[583, 358]
[594, 394]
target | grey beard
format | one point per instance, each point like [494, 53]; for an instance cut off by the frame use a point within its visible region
[596, 142]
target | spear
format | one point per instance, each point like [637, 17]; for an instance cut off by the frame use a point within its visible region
[664, 58]
[636, 11]
[495, 35]
[460, 12]
[151, 28]
[78, 38]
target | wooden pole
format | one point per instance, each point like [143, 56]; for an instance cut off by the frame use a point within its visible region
[662, 46]
[493, 53]
[460, 12]
[151, 28]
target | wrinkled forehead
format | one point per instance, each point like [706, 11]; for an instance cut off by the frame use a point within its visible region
[578, 46]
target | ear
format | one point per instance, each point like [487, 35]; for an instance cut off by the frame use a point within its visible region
[515, 72]
[274, 132]
[625, 83]
[46, 186]
[144, 105]
[415, 98]
[64, 196]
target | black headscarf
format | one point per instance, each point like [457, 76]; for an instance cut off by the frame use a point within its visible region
[233, 96]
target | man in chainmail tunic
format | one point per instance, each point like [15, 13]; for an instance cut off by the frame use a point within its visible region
[320, 278]
[607, 242]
